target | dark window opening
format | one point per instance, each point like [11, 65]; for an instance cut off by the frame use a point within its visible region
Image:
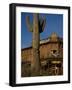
[54, 51]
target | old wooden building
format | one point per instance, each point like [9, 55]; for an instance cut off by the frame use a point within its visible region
[51, 57]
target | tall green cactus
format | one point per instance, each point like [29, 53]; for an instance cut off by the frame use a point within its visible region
[36, 27]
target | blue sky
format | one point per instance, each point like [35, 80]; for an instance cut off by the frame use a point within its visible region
[54, 23]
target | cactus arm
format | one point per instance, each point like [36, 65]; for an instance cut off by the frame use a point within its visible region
[29, 25]
[42, 23]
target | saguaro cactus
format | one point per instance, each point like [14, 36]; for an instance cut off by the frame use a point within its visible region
[36, 27]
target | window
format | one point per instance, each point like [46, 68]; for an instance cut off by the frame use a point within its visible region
[53, 51]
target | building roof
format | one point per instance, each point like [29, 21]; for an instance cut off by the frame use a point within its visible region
[54, 38]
